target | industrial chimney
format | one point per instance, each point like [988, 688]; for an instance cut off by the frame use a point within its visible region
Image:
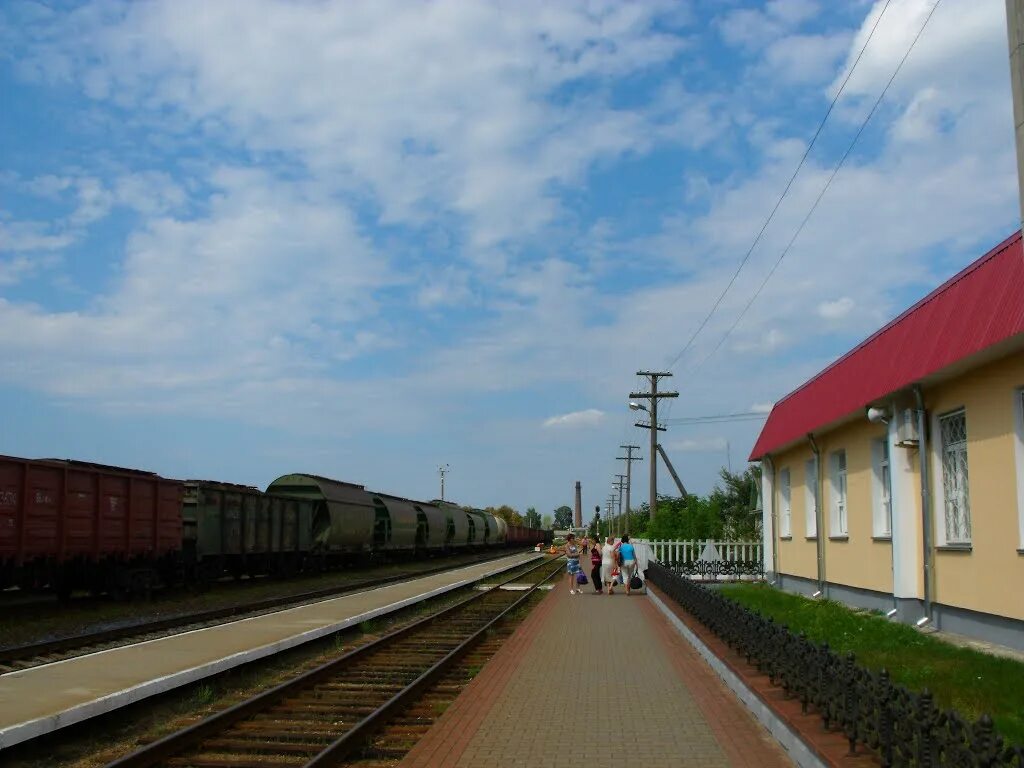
[579, 506]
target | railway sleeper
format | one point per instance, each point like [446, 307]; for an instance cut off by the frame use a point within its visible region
[264, 743]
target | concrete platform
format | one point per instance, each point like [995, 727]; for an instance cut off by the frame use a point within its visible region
[45, 698]
[597, 681]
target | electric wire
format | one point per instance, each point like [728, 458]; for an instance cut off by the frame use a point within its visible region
[785, 191]
[821, 194]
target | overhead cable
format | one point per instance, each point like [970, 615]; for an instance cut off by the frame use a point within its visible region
[771, 216]
[821, 194]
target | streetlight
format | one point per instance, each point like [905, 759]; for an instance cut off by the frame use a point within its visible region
[633, 406]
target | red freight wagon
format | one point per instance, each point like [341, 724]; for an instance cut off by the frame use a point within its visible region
[66, 523]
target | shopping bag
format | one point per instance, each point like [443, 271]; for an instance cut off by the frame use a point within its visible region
[581, 578]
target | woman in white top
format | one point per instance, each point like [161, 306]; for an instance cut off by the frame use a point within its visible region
[608, 564]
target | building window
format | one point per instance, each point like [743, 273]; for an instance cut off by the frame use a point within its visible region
[839, 494]
[811, 496]
[785, 510]
[883, 488]
[955, 497]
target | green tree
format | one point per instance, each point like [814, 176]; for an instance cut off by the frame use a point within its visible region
[506, 513]
[563, 517]
[739, 503]
[696, 517]
[532, 518]
[547, 522]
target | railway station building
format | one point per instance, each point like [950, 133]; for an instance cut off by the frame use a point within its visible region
[894, 478]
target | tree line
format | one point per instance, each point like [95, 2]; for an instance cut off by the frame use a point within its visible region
[731, 512]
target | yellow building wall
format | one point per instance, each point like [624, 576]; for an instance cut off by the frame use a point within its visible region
[797, 556]
[858, 560]
[989, 577]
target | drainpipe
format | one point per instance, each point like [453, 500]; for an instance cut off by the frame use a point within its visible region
[926, 504]
[819, 527]
[767, 465]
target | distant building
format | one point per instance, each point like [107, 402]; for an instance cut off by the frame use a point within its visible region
[846, 509]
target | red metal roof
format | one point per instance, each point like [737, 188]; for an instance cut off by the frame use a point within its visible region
[979, 307]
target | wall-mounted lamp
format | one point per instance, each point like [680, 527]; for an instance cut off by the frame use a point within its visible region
[878, 415]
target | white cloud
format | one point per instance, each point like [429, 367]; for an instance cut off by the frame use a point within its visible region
[22, 236]
[433, 109]
[800, 59]
[749, 27]
[588, 418]
[762, 407]
[699, 445]
[835, 310]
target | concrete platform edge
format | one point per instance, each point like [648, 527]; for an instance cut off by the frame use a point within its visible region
[794, 745]
[31, 729]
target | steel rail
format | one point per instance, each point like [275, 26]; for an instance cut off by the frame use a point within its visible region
[356, 736]
[29, 651]
[172, 745]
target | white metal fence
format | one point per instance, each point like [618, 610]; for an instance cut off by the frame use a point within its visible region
[709, 560]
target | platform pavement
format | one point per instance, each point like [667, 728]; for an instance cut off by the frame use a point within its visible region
[42, 699]
[596, 680]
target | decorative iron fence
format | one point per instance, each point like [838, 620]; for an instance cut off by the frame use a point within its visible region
[711, 560]
[904, 729]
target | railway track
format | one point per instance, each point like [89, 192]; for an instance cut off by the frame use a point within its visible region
[331, 713]
[14, 658]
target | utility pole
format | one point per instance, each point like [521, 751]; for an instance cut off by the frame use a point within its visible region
[1015, 33]
[619, 485]
[672, 471]
[629, 458]
[654, 396]
[442, 471]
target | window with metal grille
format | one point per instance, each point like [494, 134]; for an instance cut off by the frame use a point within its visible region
[883, 489]
[839, 493]
[811, 496]
[785, 511]
[955, 496]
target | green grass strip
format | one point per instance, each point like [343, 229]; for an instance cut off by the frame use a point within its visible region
[963, 679]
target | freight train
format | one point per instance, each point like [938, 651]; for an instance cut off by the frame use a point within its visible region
[68, 525]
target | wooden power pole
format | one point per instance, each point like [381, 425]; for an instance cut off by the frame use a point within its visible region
[654, 396]
[1015, 33]
[629, 458]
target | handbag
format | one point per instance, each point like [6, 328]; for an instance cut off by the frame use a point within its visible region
[581, 578]
[636, 582]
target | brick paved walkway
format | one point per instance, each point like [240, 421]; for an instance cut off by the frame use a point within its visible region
[608, 676]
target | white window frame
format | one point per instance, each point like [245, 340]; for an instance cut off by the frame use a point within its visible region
[938, 452]
[881, 461]
[811, 497]
[839, 501]
[785, 504]
[1018, 411]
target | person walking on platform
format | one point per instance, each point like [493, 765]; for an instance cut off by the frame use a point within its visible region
[595, 567]
[608, 564]
[627, 553]
[572, 555]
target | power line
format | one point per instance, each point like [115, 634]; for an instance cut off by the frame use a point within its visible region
[824, 189]
[785, 191]
[716, 419]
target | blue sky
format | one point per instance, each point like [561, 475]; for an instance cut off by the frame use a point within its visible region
[362, 239]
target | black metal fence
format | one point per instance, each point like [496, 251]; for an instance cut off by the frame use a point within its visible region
[901, 727]
[717, 570]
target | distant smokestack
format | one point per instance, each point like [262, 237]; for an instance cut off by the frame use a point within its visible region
[579, 506]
